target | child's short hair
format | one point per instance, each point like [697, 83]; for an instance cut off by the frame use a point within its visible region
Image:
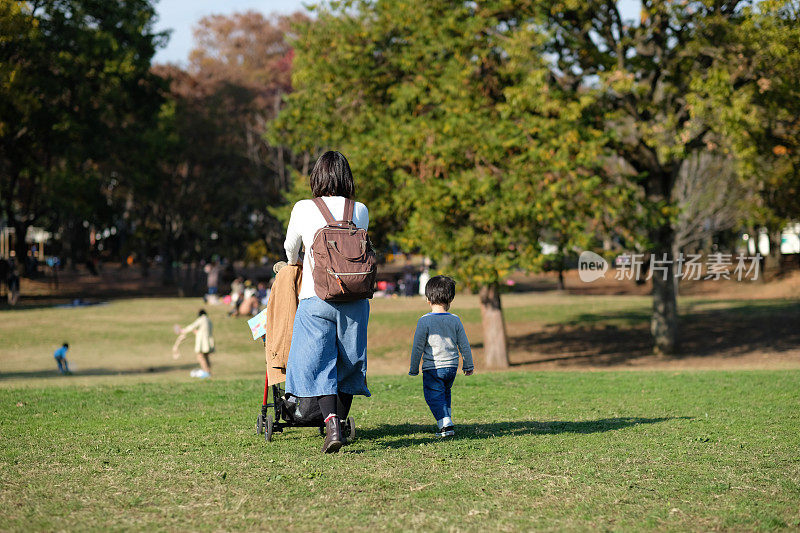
[440, 290]
[65, 345]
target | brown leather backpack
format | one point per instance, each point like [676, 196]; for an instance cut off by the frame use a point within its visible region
[344, 261]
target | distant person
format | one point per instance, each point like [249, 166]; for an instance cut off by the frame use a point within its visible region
[60, 356]
[4, 270]
[438, 340]
[203, 343]
[91, 266]
[409, 281]
[423, 280]
[262, 293]
[248, 304]
[54, 263]
[12, 283]
[237, 295]
[212, 277]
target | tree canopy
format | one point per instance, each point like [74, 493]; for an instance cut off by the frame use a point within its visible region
[461, 148]
[77, 88]
[476, 129]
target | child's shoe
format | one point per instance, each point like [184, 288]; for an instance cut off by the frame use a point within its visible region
[195, 373]
[203, 374]
[448, 431]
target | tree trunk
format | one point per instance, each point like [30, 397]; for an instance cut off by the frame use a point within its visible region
[775, 256]
[664, 322]
[676, 276]
[494, 327]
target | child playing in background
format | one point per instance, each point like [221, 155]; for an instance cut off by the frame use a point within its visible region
[438, 340]
[61, 358]
[203, 343]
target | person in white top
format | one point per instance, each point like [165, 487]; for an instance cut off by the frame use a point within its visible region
[203, 343]
[328, 355]
[306, 219]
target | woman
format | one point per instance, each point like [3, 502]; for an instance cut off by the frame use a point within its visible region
[328, 356]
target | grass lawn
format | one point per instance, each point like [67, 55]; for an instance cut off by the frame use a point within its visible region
[132, 442]
[534, 450]
[128, 341]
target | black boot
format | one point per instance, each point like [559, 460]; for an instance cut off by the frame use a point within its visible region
[333, 435]
[345, 436]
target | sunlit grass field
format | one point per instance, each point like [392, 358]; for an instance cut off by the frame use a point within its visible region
[549, 450]
[130, 340]
[132, 442]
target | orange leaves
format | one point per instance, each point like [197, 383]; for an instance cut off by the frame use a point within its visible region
[780, 150]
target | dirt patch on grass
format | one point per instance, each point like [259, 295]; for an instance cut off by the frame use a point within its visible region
[772, 284]
[740, 337]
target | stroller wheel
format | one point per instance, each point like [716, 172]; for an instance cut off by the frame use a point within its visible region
[260, 424]
[351, 425]
[268, 429]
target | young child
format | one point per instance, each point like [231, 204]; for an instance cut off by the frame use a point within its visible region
[61, 358]
[437, 342]
[203, 343]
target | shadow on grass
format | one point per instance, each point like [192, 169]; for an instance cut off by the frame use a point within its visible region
[598, 339]
[403, 435]
[95, 372]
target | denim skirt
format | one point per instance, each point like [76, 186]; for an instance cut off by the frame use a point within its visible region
[329, 348]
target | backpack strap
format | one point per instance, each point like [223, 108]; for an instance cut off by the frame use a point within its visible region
[349, 207]
[325, 211]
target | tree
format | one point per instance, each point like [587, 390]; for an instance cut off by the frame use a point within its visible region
[205, 187]
[673, 84]
[197, 192]
[253, 52]
[454, 134]
[711, 197]
[80, 84]
[470, 122]
[770, 38]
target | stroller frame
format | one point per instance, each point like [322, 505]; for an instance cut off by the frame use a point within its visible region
[269, 424]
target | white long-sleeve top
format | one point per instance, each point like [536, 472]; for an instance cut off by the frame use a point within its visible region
[306, 219]
[203, 334]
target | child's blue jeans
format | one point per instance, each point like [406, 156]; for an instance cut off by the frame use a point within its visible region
[436, 385]
[62, 364]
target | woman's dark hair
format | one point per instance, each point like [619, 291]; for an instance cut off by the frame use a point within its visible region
[201, 312]
[440, 290]
[332, 177]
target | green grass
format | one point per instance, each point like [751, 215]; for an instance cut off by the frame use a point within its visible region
[618, 451]
[130, 340]
[132, 442]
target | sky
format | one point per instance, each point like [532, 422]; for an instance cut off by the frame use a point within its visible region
[181, 15]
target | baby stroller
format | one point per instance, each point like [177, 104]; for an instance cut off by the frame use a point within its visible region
[293, 411]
